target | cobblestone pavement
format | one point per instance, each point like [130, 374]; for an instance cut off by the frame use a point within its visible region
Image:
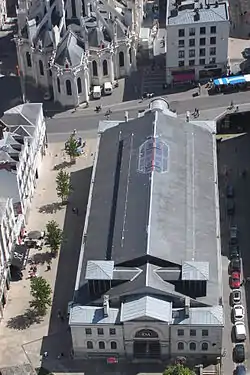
[21, 336]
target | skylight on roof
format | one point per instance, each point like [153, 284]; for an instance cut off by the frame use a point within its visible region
[153, 156]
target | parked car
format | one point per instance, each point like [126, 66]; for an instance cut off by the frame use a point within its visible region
[240, 331]
[230, 207]
[236, 297]
[240, 370]
[235, 265]
[233, 234]
[234, 251]
[246, 53]
[238, 312]
[239, 353]
[230, 191]
[234, 280]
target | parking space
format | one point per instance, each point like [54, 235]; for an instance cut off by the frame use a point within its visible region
[234, 183]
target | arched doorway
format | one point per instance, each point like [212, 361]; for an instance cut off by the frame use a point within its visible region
[146, 344]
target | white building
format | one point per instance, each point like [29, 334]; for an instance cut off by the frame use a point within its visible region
[3, 13]
[22, 148]
[66, 48]
[148, 285]
[197, 35]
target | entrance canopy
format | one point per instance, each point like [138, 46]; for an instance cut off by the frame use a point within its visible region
[20, 256]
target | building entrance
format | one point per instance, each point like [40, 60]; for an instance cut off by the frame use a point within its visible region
[147, 345]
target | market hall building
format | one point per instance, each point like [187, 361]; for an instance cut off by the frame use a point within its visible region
[148, 285]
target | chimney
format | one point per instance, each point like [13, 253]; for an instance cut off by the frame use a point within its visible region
[187, 307]
[105, 305]
[216, 4]
[88, 10]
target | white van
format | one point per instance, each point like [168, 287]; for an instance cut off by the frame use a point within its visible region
[240, 331]
[107, 88]
[97, 93]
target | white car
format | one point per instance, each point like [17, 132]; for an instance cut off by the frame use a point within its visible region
[238, 312]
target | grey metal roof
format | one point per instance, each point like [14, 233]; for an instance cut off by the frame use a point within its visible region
[125, 273]
[200, 316]
[92, 314]
[70, 49]
[99, 270]
[195, 271]
[44, 37]
[146, 307]
[3, 204]
[186, 16]
[8, 185]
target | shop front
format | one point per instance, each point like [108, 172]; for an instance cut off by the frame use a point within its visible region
[146, 345]
[210, 71]
[183, 77]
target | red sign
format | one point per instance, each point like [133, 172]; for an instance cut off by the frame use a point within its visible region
[112, 360]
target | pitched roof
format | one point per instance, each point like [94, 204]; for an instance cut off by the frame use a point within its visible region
[70, 49]
[99, 270]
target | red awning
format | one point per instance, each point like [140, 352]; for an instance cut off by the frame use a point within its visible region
[184, 77]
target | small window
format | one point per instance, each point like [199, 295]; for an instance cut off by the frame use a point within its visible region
[88, 331]
[181, 43]
[28, 59]
[192, 53]
[105, 67]
[202, 52]
[181, 33]
[212, 51]
[191, 42]
[213, 29]
[204, 346]
[100, 331]
[205, 332]
[212, 60]
[180, 346]
[213, 40]
[101, 345]
[58, 84]
[191, 62]
[41, 68]
[192, 332]
[94, 68]
[113, 345]
[89, 345]
[181, 63]
[202, 30]
[192, 346]
[79, 85]
[180, 332]
[121, 59]
[202, 61]
[202, 41]
[181, 54]
[112, 331]
[192, 31]
[68, 87]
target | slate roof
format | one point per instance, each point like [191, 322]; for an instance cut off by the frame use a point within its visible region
[92, 314]
[99, 270]
[44, 37]
[3, 204]
[70, 49]
[201, 316]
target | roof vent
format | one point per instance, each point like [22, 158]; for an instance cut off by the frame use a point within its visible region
[174, 12]
[201, 6]
[216, 4]
[105, 305]
[196, 15]
[207, 6]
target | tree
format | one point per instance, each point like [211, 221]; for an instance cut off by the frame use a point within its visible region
[54, 236]
[178, 369]
[41, 291]
[63, 187]
[71, 147]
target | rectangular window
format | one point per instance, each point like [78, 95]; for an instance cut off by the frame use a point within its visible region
[202, 61]
[181, 63]
[202, 30]
[192, 53]
[191, 62]
[212, 60]
[191, 42]
[204, 332]
[213, 29]
[192, 332]
[212, 51]
[202, 52]
[181, 54]
[88, 331]
[100, 331]
[213, 40]
[181, 33]
[202, 41]
[180, 332]
[112, 331]
[181, 42]
[192, 31]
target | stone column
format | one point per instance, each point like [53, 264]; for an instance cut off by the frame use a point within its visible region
[86, 87]
[127, 60]
[111, 68]
[133, 57]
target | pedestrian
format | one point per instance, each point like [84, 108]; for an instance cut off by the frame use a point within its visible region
[187, 116]
[59, 314]
[48, 267]
[45, 354]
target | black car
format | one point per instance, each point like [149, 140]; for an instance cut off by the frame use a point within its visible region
[239, 353]
[230, 207]
[246, 53]
[230, 191]
[240, 370]
[234, 252]
[235, 265]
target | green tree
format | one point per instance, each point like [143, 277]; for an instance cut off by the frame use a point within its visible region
[71, 147]
[54, 236]
[178, 369]
[63, 186]
[41, 291]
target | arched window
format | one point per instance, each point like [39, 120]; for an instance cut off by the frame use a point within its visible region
[79, 85]
[130, 56]
[58, 84]
[113, 345]
[28, 59]
[204, 346]
[180, 346]
[121, 58]
[192, 346]
[41, 68]
[101, 345]
[89, 345]
[105, 68]
[68, 87]
[94, 68]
